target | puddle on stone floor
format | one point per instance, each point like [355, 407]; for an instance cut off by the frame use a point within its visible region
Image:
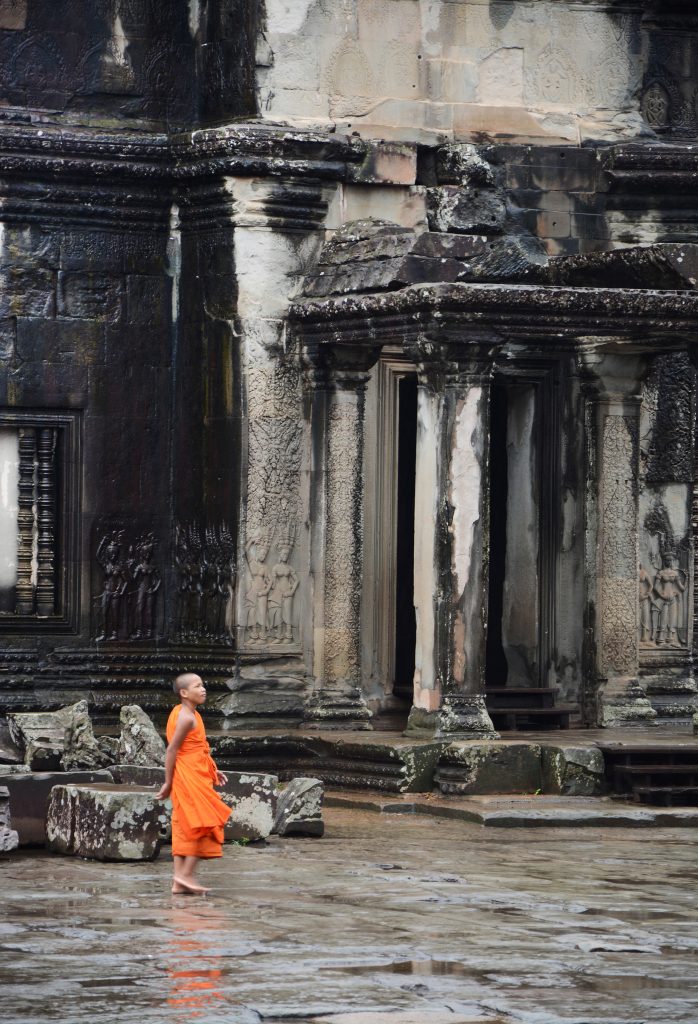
[426, 968]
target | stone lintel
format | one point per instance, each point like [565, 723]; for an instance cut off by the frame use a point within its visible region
[547, 316]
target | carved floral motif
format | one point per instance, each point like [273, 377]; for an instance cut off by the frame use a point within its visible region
[618, 577]
[273, 504]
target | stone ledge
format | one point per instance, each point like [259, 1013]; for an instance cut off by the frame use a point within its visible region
[523, 812]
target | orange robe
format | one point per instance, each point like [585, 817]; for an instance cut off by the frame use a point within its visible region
[198, 813]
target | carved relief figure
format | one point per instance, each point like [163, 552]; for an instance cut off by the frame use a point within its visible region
[221, 575]
[669, 586]
[284, 587]
[646, 588]
[260, 584]
[147, 580]
[114, 586]
[206, 569]
[663, 610]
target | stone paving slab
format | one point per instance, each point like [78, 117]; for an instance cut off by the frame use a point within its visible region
[397, 919]
[522, 811]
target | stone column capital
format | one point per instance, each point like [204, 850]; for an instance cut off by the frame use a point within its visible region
[332, 367]
[441, 365]
[612, 375]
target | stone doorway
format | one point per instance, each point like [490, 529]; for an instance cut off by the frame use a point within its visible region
[389, 625]
[514, 655]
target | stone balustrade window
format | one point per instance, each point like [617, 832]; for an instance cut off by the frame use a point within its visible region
[38, 519]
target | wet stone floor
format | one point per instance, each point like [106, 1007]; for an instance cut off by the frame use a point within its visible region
[387, 920]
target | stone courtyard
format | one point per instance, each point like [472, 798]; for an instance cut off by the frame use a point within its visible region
[389, 919]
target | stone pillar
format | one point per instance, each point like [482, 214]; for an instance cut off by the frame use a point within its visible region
[337, 393]
[451, 543]
[613, 413]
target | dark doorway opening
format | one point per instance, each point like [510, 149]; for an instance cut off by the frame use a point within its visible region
[496, 663]
[405, 619]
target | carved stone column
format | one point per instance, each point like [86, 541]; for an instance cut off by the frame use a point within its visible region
[451, 542]
[337, 382]
[613, 411]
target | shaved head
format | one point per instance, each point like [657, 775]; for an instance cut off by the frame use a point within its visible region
[184, 681]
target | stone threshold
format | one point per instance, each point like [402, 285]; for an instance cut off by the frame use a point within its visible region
[521, 811]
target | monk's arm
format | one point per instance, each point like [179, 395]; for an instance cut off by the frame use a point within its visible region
[184, 725]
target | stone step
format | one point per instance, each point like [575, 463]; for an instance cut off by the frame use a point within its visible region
[501, 697]
[522, 811]
[531, 717]
[666, 796]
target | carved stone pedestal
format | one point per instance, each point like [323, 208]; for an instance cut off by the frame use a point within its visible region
[464, 715]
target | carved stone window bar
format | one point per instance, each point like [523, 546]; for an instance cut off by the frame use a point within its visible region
[46, 521]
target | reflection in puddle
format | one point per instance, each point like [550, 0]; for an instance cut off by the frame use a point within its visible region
[429, 968]
[194, 965]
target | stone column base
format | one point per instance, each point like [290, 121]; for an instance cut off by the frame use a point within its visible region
[337, 711]
[466, 716]
[624, 703]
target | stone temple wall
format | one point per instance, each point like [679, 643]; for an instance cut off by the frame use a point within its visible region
[472, 69]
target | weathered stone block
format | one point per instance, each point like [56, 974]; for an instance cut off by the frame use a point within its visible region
[572, 771]
[9, 840]
[90, 296]
[138, 774]
[490, 768]
[105, 822]
[10, 752]
[465, 210]
[253, 801]
[81, 748]
[299, 809]
[41, 737]
[140, 743]
[29, 796]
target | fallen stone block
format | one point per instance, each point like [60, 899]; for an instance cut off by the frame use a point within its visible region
[140, 742]
[252, 798]
[105, 822]
[40, 735]
[81, 749]
[142, 775]
[490, 767]
[29, 796]
[10, 752]
[9, 840]
[573, 771]
[299, 809]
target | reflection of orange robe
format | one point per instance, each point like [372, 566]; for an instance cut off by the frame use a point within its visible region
[198, 813]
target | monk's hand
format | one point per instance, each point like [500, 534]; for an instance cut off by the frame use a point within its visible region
[221, 778]
[163, 792]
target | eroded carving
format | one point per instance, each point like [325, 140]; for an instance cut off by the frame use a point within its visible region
[273, 504]
[110, 557]
[663, 585]
[205, 563]
[619, 547]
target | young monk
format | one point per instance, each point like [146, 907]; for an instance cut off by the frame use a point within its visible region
[198, 813]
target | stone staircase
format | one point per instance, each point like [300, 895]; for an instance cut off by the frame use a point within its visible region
[659, 775]
[516, 708]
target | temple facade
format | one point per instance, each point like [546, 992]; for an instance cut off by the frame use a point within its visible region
[347, 356]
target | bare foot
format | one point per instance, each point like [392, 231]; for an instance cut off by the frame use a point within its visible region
[179, 890]
[186, 886]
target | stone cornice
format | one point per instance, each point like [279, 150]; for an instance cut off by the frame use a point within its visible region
[477, 313]
[245, 149]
